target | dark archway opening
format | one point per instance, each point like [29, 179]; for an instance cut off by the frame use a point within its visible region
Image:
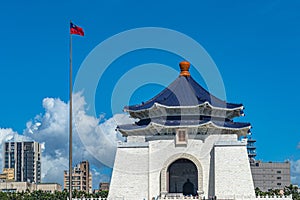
[183, 177]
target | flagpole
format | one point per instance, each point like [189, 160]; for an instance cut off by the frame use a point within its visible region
[70, 122]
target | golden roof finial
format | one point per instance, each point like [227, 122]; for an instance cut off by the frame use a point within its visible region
[184, 67]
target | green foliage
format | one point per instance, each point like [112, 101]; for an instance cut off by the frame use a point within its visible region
[292, 190]
[288, 190]
[57, 195]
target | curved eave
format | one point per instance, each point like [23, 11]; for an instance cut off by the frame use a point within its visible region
[127, 109]
[152, 128]
[226, 112]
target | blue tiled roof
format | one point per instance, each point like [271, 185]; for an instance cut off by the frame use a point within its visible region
[184, 91]
[177, 121]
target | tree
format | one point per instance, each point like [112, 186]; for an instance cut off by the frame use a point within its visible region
[41, 195]
[292, 190]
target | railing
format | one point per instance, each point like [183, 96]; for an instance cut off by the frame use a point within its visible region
[274, 198]
[178, 198]
[195, 197]
[89, 198]
[229, 198]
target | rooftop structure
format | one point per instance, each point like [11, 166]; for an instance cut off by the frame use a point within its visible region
[184, 103]
[185, 142]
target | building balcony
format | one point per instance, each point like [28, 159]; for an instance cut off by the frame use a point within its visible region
[251, 154]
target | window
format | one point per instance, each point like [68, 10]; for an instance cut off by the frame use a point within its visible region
[278, 172]
[181, 137]
[278, 183]
[278, 178]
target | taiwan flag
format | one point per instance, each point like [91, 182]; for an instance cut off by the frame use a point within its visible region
[76, 30]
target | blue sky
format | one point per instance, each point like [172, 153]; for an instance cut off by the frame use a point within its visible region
[255, 45]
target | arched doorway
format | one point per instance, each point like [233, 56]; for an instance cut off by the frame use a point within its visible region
[182, 177]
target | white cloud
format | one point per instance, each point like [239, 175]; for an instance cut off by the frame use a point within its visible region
[51, 127]
[298, 146]
[53, 167]
[295, 171]
[92, 140]
[8, 134]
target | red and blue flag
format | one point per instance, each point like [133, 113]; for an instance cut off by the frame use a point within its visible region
[76, 30]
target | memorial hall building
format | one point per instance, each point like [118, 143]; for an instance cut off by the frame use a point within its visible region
[185, 143]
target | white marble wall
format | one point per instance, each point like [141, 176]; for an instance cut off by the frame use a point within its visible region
[130, 174]
[232, 171]
[140, 168]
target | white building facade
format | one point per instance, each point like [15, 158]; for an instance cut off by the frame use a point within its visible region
[185, 144]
